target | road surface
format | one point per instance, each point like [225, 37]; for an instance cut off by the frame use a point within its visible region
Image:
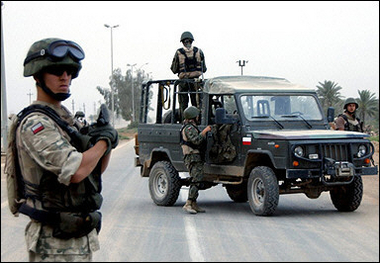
[135, 229]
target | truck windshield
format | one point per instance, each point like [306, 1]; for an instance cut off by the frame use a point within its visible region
[280, 107]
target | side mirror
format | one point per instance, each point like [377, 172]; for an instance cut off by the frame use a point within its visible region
[221, 118]
[330, 114]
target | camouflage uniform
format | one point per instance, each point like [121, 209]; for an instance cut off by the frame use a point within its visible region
[43, 146]
[352, 123]
[348, 121]
[189, 63]
[192, 157]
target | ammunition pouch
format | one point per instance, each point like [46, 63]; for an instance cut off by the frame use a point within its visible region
[65, 225]
[76, 225]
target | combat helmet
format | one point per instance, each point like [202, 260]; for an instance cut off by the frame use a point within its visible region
[186, 35]
[53, 52]
[349, 101]
[191, 112]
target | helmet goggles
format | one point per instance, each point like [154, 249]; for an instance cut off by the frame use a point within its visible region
[58, 50]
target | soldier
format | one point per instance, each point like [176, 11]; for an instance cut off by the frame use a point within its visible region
[348, 121]
[60, 172]
[189, 63]
[191, 143]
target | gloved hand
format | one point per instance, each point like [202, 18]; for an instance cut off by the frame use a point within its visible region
[81, 141]
[104, 132]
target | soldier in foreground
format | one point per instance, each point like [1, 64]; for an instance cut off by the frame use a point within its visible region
[191, 143]
[55, 165]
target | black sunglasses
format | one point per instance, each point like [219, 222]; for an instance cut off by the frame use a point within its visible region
[58, 50]
[59, 70]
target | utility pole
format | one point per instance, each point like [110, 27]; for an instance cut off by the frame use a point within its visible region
[72, 106]
[4, 114]
[133, 92]
[112, 89]
[242, 64]
[30, 96]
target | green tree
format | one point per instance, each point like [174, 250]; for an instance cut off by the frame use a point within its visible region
[123, 92]
[329, 94]
[368, 107]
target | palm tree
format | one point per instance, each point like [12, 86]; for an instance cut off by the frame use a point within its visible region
[368, 104]
[328, 93]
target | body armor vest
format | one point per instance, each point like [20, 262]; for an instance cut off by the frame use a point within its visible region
[83, 197]
[189, 60]
[348, 126]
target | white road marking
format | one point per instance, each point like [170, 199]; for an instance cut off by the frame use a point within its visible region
[195, 249]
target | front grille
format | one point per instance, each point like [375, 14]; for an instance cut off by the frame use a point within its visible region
[338, 152]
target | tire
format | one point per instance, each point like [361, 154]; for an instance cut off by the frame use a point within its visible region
[263, 191]
[238, 193]
[347, 198]
[164, 184]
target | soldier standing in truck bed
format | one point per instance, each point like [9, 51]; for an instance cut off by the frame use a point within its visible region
[188, 63]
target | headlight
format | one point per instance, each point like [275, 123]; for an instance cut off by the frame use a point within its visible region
[299, 152]
[362, 150]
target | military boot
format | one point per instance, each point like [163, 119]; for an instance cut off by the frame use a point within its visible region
[195, 206]
[188, 208]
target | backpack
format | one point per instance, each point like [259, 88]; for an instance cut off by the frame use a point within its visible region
[15, 186]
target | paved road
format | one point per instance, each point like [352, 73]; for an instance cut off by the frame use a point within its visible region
[135, 229]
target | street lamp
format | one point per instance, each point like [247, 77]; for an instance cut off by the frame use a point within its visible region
[112, 96]
[242, 64]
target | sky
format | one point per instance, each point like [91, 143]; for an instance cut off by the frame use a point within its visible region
[304, 42]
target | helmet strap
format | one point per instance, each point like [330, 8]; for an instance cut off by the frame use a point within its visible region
[57, 96]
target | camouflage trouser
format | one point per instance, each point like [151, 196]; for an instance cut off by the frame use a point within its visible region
[183, 99]
[194, 164]
[34, 257]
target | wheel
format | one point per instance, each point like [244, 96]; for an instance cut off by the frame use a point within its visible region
[164, 184]
[238, 193]
[347, 198]
[263, 191]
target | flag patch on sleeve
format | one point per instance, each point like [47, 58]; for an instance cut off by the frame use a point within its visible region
[37, 128]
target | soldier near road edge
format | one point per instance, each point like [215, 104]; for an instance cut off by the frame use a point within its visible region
[58, 164]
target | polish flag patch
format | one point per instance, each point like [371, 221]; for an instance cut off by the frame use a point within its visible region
[37, 128]
[247, 140]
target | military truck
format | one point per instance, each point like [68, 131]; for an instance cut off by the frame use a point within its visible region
[270, 137]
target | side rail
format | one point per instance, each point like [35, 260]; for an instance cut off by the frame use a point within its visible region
[167, 96]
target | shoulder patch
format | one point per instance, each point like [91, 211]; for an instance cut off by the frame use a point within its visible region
[37, 128]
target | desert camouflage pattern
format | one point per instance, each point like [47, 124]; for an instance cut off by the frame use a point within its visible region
[43, 247]
[43, 145]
